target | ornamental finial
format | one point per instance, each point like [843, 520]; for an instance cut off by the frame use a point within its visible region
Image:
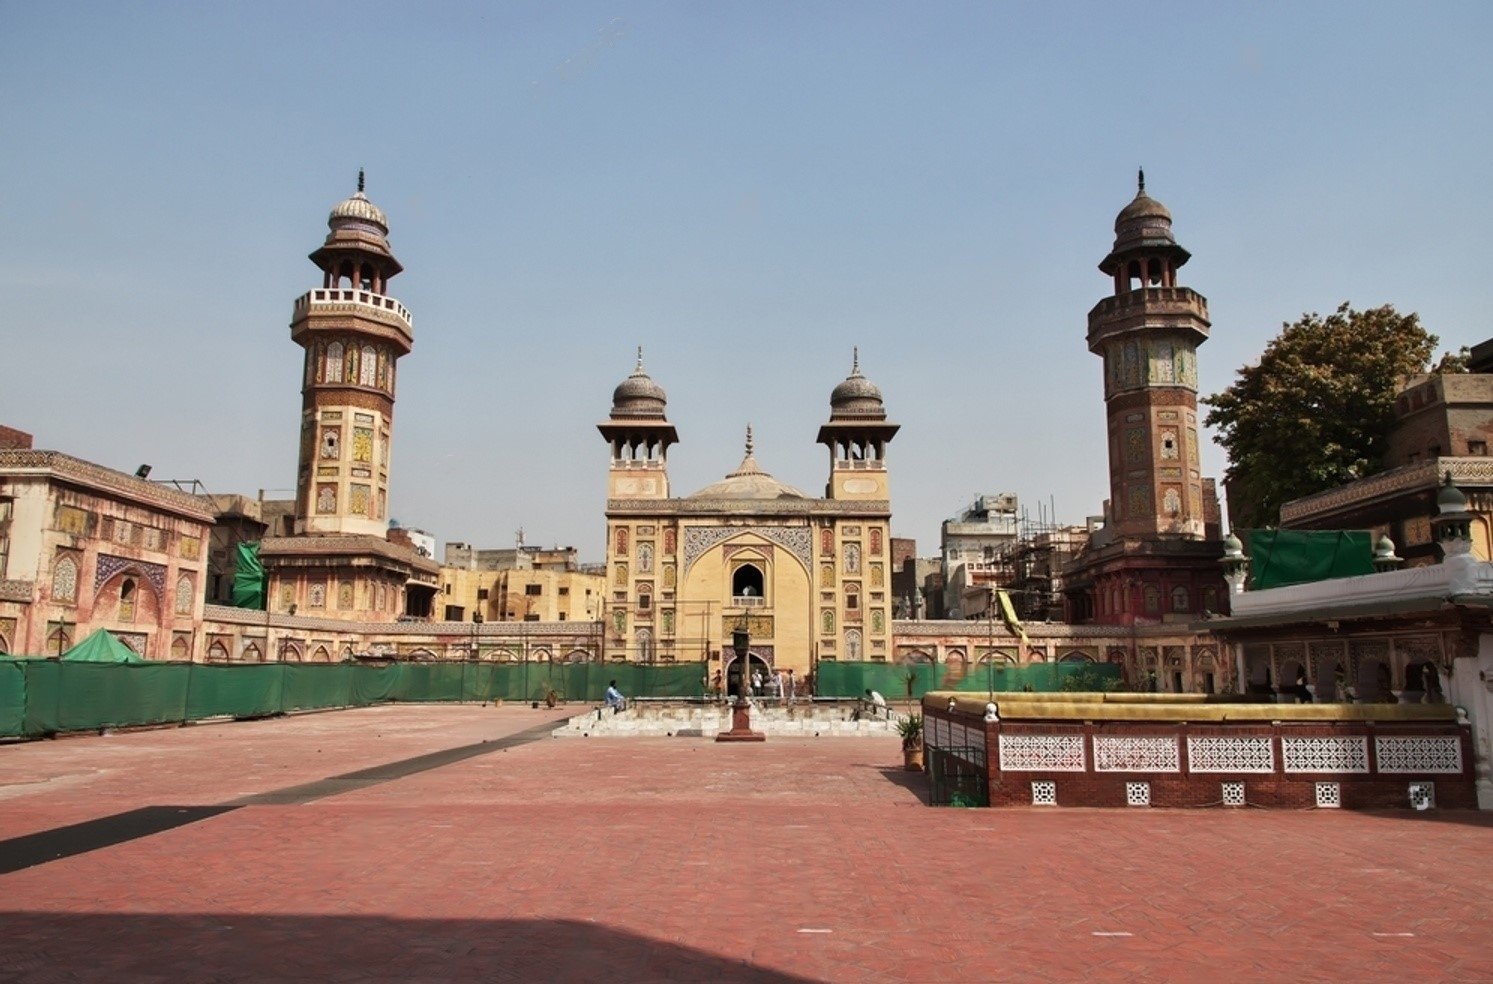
[639, 366]
[360, 180]
[855, 361]
[1140, 182]
[749, 442]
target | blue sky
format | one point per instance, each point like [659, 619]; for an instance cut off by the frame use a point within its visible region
[746, 190]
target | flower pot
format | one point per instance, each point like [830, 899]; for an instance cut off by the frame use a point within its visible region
[912, 759]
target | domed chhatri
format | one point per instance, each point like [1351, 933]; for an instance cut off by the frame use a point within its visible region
[638, 395]
[1145, 225]
[857, 396]
[1450, 499]
[358, 208]
[1142, 207]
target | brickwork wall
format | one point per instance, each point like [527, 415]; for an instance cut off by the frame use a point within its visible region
[1185, 783]
[14, 440]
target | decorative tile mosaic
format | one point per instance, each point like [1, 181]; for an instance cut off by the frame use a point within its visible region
[1246, 754]
[109, 565]
[699, 540]
[1323, 754]
[1433, 754]
[1136, 754]
[1042, 753]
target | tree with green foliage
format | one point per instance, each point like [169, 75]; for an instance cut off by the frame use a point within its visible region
[1316, 411]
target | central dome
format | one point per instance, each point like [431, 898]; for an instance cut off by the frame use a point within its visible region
[749, 482]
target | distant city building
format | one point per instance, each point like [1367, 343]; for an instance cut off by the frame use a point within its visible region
[520, 594]
[520, 558]
[973, 546]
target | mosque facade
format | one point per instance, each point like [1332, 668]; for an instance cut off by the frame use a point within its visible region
[808, 578]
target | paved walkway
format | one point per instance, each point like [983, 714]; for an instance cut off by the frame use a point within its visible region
[679, 859]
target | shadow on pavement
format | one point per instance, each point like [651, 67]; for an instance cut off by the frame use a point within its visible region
[1470, 818]
[97, 946]
[914, 782]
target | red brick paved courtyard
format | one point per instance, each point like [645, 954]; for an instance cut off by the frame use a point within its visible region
[682, 860]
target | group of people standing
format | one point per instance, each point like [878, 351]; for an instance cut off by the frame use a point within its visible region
[780, 684]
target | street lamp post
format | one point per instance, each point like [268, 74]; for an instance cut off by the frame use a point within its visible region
[741, 711]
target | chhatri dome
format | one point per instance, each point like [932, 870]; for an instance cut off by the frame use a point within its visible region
[638, 395]
[358, 209]
[749, 481]
[857, 397]
[1144, 224]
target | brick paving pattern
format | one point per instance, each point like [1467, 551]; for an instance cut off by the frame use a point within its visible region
[683, 860]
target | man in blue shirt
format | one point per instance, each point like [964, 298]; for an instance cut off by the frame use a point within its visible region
[614, 697]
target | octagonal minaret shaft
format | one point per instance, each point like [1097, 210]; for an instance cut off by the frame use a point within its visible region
[353, 334]
[1148, 333]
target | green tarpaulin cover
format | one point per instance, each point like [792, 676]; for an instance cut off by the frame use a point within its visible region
[248, 578]
[1281, 557]
[101, 647]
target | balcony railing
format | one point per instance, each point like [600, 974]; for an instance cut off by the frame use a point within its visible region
[348, 295]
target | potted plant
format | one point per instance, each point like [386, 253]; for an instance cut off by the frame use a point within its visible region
[911, 730]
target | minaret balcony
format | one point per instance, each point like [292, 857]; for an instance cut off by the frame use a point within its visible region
[335, 301]
[859, 464]
[1149, 308]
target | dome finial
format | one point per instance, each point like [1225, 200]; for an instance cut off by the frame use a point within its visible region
[750, 444]
[1140, 182]
[639, 366]
[360, 179]
[855, 361]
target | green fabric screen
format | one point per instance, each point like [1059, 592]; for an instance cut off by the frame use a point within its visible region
[12, 697]
[41, 696]
[1281, 557]
[234, 691]
[248, 577]
[835, 679]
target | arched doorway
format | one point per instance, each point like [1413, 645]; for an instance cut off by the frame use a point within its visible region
[733, 679]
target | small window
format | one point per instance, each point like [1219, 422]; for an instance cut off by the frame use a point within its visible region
[481, 594]
[645, 601]
[564, 616]
[1477, 447]
[531, 617]
[565, 591]
[533, 590]
[852, 600]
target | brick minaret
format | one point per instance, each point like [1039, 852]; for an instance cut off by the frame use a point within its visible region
[1147, 334]
[353, 334]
